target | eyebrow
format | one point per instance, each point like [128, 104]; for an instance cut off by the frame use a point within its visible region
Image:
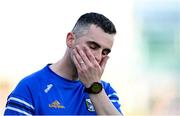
[92, 42]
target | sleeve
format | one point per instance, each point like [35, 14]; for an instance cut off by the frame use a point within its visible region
[19, 102]
[111, 93]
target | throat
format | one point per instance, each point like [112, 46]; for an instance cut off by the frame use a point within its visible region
[66, 71]
[75, 77]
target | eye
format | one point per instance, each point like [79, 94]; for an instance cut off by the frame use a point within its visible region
[106, 52]
[93, 46]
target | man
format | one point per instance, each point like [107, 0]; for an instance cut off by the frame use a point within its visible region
[72, 86]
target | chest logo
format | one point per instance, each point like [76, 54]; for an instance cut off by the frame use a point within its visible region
[56, 104]
[89, 105]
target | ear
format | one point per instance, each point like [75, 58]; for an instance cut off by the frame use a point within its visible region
[70, 40]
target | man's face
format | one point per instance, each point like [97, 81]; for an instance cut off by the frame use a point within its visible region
[99, 42]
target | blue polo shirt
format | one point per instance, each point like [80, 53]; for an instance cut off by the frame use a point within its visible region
[46, 93]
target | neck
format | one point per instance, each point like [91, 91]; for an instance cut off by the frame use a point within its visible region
[65, 68]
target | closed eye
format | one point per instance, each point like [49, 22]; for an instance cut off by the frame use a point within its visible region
[93, 45]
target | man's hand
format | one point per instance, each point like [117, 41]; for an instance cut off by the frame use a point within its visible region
[89, 70]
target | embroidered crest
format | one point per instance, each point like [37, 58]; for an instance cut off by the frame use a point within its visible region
[89, 105]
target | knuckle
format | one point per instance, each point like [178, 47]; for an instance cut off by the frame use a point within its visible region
[90, 67]
[82, 54]
[96, 65]
[81, 71]
[91, 57]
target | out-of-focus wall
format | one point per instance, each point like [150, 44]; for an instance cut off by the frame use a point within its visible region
[158, 33]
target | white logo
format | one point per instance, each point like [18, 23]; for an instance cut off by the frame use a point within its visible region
[48, 88]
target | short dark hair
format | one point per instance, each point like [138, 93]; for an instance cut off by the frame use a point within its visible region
[83, 23]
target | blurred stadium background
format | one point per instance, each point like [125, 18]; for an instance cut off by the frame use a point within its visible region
[144, 67]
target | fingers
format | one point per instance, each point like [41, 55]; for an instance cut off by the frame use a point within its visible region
[79, 62]
[103, 62]
[90, 56]
[83, 56]
[89, 70]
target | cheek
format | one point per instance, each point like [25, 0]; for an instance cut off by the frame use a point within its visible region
[71, 55]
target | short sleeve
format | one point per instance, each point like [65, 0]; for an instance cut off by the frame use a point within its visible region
[19, 102]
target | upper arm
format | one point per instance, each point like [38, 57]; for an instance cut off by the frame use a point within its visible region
[19, 102]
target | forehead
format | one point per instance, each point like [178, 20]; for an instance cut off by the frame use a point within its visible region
[97, 35]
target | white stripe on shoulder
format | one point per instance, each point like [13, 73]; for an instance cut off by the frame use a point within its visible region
[21, 101]
[17, 110]
[113, 94]
[115, 101]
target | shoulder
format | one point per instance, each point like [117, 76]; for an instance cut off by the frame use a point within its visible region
[32, 80]
[21, 99]
[107, 86]
[109, 90]
[29, 85]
